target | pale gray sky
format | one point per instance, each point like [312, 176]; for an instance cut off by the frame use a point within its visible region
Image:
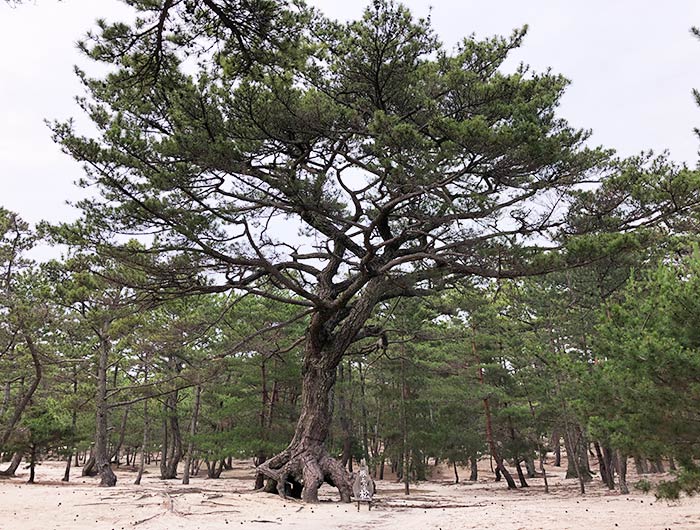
[632, 64]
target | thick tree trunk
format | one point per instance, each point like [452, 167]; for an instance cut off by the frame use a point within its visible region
[305, 464]
[331, 331]
[259, 477]
[164, 444]
[609, 457]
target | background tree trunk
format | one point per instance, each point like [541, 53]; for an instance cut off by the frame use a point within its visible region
[172, 448]
[144, 441]
[621, 465]
[102, 460]
[193, 432]
[473, 477]
[14, 464]
[27, 396]
[122, 433]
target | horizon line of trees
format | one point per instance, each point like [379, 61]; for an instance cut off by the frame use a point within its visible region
[601, 360]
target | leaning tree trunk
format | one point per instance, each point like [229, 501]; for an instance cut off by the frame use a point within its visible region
[66, 470]
[305, 464]
[89, 469]
[27, 396]
[14, 464]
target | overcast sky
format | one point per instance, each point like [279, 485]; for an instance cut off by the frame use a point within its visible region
[632, 64]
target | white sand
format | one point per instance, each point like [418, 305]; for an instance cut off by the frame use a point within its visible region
[230, 503]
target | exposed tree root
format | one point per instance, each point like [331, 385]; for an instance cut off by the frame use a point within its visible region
[299, 474]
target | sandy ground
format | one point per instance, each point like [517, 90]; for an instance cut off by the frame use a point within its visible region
[230, 503]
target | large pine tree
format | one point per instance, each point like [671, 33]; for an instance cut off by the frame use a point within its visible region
[226, 127]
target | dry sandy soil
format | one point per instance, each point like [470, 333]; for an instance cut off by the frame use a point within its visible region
[230, 503]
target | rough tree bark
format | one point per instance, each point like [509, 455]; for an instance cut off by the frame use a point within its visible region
[305, 464]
